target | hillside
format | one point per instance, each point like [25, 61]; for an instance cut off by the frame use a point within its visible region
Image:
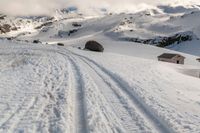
[47, 84]
[177, 30]
[125, 89]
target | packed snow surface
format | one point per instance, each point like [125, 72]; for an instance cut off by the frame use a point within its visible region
[48, 88]
[62, 89]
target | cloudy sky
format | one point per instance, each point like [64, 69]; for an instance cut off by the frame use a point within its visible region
[46, 7]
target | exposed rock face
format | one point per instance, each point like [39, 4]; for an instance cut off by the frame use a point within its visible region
[94, 46]
[44, 24]
[165, 41]
[174, 39]
[2, 17]
[5, 28]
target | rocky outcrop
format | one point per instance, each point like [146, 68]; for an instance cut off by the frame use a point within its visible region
[2, 17]
[5, 28]
[44, 25]
[164, 41]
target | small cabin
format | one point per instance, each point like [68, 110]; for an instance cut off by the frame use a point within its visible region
[172, 58]
[198, 59]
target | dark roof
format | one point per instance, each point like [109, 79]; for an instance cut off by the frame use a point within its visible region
[169, 55]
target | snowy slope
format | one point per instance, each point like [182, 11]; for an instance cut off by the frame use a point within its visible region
[152, 26]
[56, 89]
[47, 88]
[12, 26]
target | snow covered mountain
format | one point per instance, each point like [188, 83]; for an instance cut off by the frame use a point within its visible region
[11, 26]
[48, 88]
[175, 28]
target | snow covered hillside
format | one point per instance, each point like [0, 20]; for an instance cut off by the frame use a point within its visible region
[175, 28]
[125, 89]
[11, 26]
[57, 89]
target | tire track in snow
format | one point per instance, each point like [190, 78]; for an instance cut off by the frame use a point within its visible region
[22, 101]
[108, 120]
[155, 121]
[10, 123]
[105, 74]
[54, 115]
[30, 119]
[71, 97]
[118, 106]
[102, 116]
[76, 120]
[126, 115]
[27, 118]
[80, 104]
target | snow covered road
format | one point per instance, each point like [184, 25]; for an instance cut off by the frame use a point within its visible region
[54, 89]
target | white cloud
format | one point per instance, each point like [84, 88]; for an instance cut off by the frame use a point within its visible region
[47, 7]
[29, 7]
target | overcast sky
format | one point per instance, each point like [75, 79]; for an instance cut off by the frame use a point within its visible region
[46, 7]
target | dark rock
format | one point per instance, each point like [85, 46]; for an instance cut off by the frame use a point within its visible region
[66, 33]
[72, 31]
[44, 25]
[60, 44]
[5, 28]
[2, 17]
[9, 38]
[122, 23]
[36, 41]
[94, 46]
[14, 28]
[75, 24]
[148, 14]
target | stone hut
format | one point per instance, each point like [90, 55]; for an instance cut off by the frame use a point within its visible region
[172, 58]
